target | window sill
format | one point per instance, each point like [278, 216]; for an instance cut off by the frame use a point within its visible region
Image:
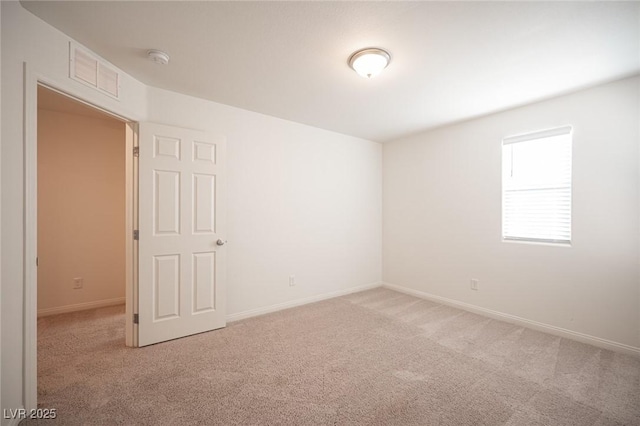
[537, 243]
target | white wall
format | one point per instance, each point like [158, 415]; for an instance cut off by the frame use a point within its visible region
[301, 201]
[442, 217]
[81, 211]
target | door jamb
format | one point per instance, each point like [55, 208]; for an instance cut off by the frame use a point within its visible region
[30, 125]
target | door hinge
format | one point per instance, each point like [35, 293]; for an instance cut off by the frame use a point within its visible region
[136, 151]
[36, 261]
[136, 319]
[136, 235]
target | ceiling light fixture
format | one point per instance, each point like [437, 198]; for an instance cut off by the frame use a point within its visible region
[158, 56]
[369, 62]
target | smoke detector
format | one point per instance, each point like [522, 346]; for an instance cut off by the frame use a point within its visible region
[158, 56]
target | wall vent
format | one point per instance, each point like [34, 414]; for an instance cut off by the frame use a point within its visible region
[93, 71]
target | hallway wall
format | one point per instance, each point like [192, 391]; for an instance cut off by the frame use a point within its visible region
[81, 211]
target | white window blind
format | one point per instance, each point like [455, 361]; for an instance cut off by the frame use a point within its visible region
[536, 186]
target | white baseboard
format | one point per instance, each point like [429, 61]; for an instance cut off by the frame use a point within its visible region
[299, 302]
[551, 329]
[81, 306]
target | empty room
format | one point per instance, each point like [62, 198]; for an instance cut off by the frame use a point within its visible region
[320, 213]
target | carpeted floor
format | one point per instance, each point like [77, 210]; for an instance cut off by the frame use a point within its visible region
[377, 358]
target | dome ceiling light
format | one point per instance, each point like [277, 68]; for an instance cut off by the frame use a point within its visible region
[369, 62]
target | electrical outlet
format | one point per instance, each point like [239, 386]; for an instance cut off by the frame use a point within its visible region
[78, 283]
[474, 284]
[292, 280]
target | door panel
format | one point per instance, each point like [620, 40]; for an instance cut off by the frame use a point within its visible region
[181, 268]
[166, 202]
[166, 286]
[204, 267]
[204, 206]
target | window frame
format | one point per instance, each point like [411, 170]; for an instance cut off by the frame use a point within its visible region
[526, 137]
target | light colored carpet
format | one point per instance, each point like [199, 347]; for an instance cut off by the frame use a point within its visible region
[377, 358]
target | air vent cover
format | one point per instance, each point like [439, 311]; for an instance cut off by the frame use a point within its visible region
[92, 71]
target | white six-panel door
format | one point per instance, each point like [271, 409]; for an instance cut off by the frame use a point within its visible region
[180, 220]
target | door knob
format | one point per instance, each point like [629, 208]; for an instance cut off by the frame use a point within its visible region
[221, 242]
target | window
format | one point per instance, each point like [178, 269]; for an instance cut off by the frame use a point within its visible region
[536, 186]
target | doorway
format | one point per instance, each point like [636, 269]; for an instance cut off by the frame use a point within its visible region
[183, 290]
[83, 205]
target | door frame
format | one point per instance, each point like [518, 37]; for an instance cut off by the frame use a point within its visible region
[32, 80]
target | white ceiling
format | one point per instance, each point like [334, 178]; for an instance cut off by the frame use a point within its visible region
[451, 60]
